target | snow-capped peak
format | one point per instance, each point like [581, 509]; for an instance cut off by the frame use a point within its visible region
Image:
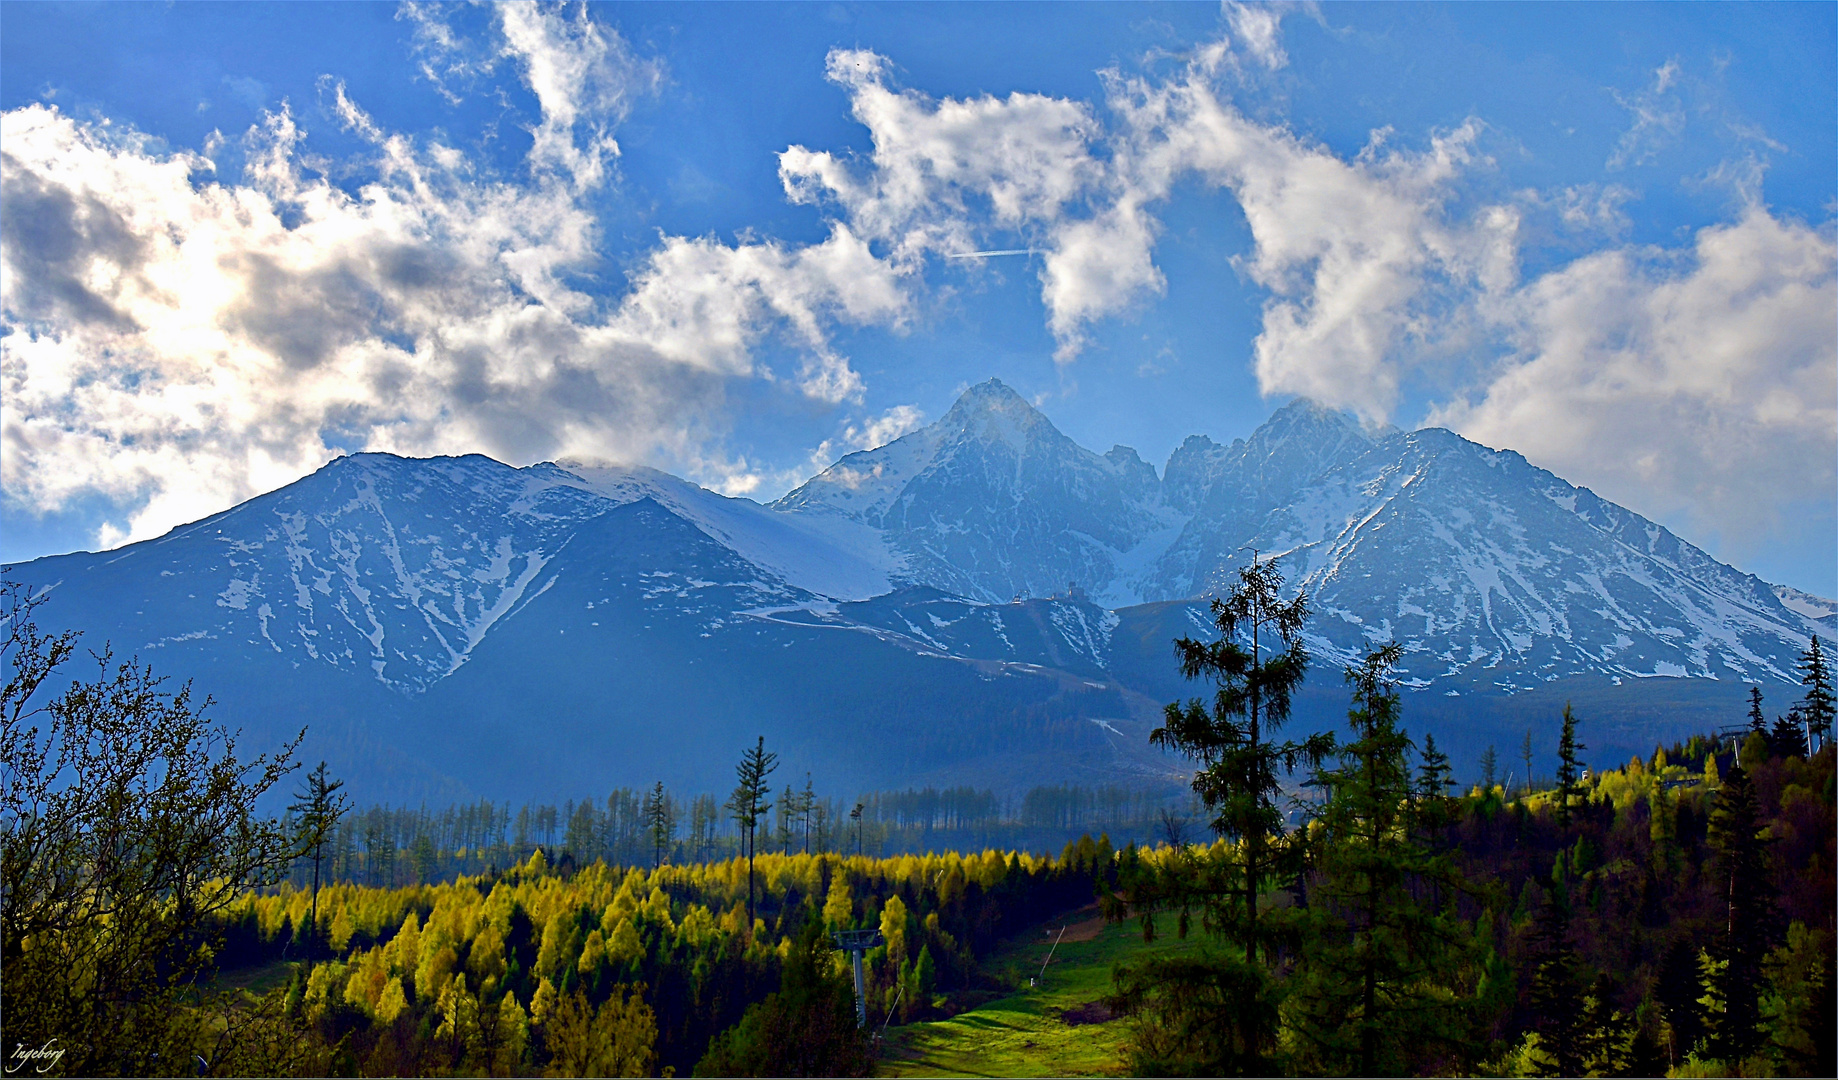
[1821, 614]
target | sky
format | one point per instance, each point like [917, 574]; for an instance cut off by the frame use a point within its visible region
[738, 241]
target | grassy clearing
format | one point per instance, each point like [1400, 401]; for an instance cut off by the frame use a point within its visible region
[257, 980]
[1049, 1030]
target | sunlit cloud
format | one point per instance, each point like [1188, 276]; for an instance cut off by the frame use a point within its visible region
[178, 341]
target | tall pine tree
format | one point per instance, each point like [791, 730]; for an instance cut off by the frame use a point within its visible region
[1379, 989]
[1257, 662]
[1557, 983]
[1675, 991]
[320, 804]
[749, 802]
[1569, 768]
[1216, 1012]
[1816, 708]
[660, 822]
[1739, 861]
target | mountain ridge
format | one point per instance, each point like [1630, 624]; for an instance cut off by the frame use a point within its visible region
[984, 578]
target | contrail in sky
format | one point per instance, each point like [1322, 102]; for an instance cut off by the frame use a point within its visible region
[988, 254]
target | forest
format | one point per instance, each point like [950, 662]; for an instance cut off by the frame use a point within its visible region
[1360, 913]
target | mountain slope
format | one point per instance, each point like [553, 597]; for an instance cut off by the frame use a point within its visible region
[652, 657]
[993, 501]
[454, 627]
[1228, 492]
[1495, 574]
[983, 601]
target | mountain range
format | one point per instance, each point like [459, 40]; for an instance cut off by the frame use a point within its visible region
[982, 601]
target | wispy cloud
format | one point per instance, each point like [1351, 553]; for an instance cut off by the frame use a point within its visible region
[1658, 115]
[1258, 27]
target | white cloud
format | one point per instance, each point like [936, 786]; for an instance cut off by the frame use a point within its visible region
[1658, 119]
[1592, 207]
[177, 342]
[443, 56]
[939, 169]
[1258, 27]
[1099, 266]
[1347, 248]
[1695, 385]
[1701, 383]
[887, 427]
[584, 77]
[1355, 254]
[869, 434]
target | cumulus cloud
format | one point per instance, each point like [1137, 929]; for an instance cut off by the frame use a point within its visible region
[943, 170]
[1592, 207]
[869, 434]
[1694, 384]
[177, 342]
[1345, 247]
[583, 75]
[1352, 253]
[1701, 383]
[1355, 254]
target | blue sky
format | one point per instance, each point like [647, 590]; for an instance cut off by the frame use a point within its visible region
[722, 239]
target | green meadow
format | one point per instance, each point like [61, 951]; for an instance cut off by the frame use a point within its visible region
[1056, 1028]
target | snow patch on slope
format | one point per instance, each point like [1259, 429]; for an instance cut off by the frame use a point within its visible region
[827, 554]
[1821, 613]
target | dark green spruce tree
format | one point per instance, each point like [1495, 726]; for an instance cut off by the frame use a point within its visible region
[1569, 767]
[1257, 662]
[1788, 739]
[660, 822]
[1557, 981]
[1739, 861]
[1608, 1035]
[1215, 1013]
[1385, 984]
[320, 804]
[1676, 992]
[1434, 777]
[1816, 708]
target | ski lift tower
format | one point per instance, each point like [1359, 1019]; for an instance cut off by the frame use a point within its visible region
[855, 943]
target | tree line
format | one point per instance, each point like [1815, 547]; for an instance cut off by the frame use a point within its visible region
[1670, 917]
[389, 846]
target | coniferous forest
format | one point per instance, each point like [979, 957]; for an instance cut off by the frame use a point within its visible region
[1355, 910]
